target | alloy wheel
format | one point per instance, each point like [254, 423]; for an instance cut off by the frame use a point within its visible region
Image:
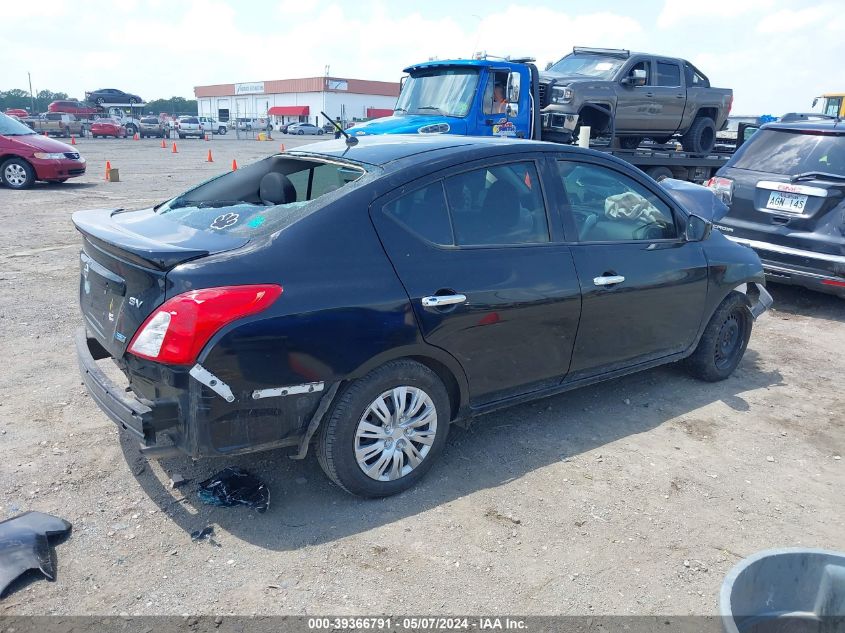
[396, 433]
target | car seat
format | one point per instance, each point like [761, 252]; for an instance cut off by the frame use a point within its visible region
[276, 188]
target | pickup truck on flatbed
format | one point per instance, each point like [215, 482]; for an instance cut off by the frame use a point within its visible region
[635, 96]
[512, 98]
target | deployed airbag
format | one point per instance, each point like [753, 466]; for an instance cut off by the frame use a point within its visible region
[24, 545]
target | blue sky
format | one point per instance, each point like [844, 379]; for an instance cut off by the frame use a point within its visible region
[776, 54]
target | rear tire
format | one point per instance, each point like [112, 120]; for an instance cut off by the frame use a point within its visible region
[301, 132]
[701, 137]
[16, 173]
[724, 340]
[373, 424]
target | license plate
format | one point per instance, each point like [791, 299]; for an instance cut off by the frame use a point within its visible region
[789, 202]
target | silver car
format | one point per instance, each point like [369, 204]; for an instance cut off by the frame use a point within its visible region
[304, 128]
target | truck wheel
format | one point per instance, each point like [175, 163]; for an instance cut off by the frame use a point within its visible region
[659, 173]
[701, 136]
[385, 430]
[221, 130]
[724, 340]
[16, 173]
[630, 142]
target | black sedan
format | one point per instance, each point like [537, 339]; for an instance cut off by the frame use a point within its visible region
[368, 296]
[785, 189]
[111, 96]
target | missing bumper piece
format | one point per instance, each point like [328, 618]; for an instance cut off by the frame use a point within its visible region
[308, 387]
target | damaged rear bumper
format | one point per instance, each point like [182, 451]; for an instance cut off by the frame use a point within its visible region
[141, 418]
[194, 411]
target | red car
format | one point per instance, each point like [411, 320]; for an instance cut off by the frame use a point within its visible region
[26, 156]
[72, 107]
[107, 127]
[18, 112]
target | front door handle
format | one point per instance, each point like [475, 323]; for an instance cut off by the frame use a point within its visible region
[439, 301]
[608, 280]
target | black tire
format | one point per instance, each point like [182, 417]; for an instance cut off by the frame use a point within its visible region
[301, 132]
[182, 136]
[659, 173]
[221, 130]
[99, 101]
[336, 440]
[630, 142]
[701, 136]
[23, 175]
[724, 340]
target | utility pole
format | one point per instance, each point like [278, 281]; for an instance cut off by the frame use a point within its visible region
[31, 97]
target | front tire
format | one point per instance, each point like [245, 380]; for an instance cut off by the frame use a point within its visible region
[385, 430]
[724, 340]
[16, 173]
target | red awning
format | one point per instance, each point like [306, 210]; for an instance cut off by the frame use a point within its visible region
[288, 111]
[377, 113]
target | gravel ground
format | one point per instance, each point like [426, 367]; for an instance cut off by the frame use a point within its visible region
[631, 497]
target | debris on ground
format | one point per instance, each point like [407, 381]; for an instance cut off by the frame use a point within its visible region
[177, 480]
[25, 545]
[235, 486]
[206, 532]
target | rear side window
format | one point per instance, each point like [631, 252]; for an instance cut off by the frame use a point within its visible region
[668, 74]
[501, 204]
[790, 153]
[424, 212]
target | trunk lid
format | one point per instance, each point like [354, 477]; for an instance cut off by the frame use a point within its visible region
[124, 263]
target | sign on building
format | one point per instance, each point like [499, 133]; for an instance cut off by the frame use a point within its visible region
[253, 88]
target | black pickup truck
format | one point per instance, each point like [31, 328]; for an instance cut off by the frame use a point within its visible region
[635, 96]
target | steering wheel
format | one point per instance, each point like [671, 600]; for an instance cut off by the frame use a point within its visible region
[587, 226]
[642, 232]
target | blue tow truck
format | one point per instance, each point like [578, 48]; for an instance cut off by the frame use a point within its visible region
[511, 98]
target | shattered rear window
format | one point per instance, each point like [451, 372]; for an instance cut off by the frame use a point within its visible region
[262, 198]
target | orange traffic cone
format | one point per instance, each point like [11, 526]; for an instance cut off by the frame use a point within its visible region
[72, 139]
[163, 144]
[282, 147]
[174, 150]
[108, 170]
[137, 137]
[206, 138]
[234, 165]
[209, 159]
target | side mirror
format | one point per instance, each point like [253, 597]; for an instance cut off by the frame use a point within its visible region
[698, 229]
[512, 90]
[815, 101]
[636, 78]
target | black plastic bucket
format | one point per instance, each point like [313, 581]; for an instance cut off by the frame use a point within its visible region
[792, 590]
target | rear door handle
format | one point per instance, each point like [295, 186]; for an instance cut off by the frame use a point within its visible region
[438, 301]
[608, 280]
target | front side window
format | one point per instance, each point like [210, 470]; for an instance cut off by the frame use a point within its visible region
[668, 75]
[11, 127]
[644, 66]
[833, 106]
[610, 207]
[501, 204]
[447, 92]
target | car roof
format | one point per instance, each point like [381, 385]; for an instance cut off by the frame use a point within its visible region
[825, 126]
[388, 148]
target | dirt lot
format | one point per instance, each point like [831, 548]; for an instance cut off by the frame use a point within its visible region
[632, 497]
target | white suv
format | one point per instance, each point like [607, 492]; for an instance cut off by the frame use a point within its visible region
[211, 125]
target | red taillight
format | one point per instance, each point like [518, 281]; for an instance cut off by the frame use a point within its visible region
[723, 188]
[833, 282]
[178, 330]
